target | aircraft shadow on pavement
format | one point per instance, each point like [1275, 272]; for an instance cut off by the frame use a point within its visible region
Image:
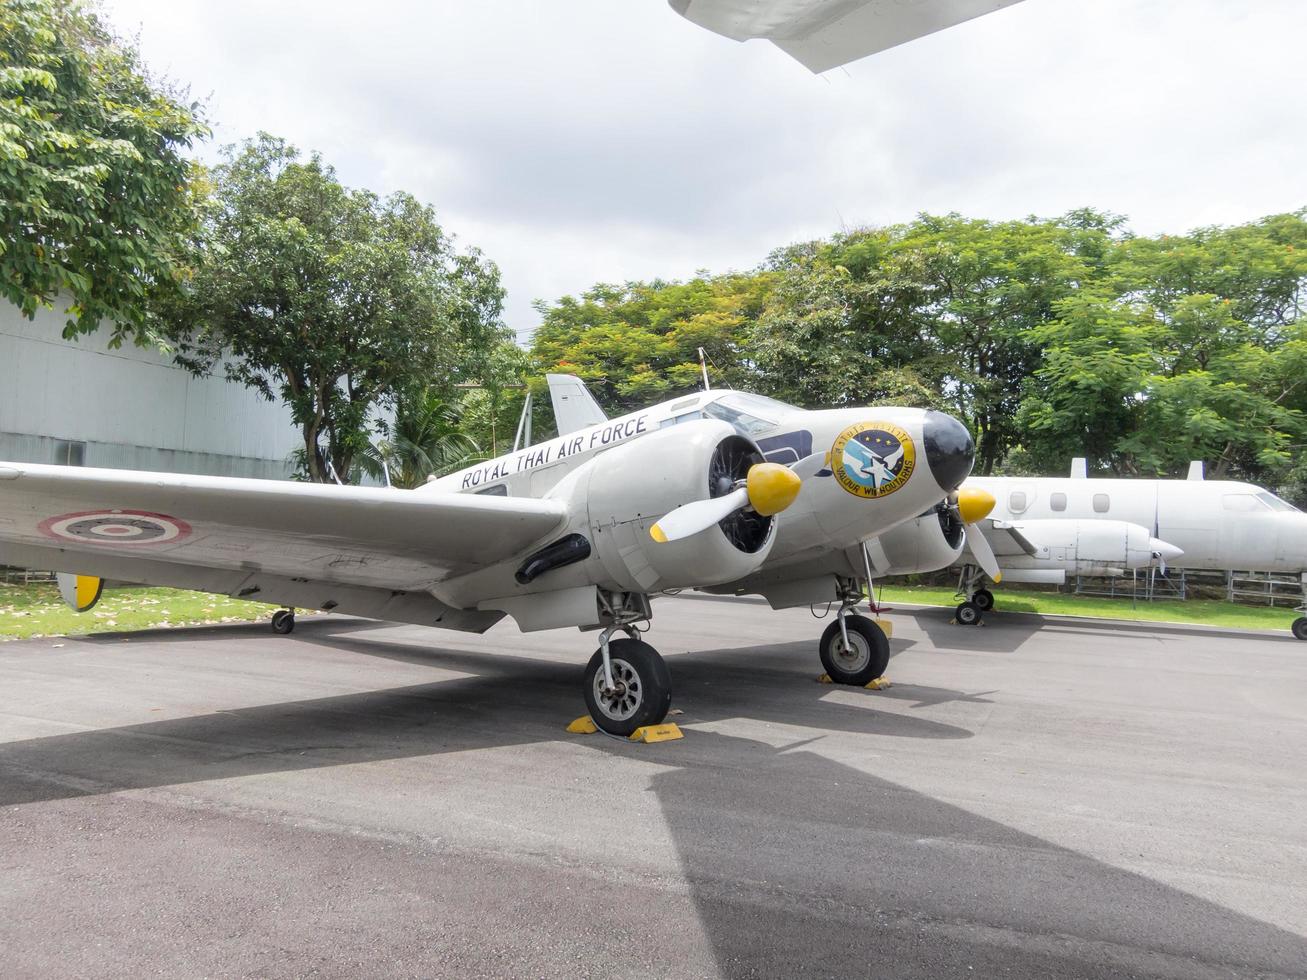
[796, 864]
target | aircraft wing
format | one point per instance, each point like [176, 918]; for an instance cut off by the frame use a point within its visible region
[148, 527]
[823, 34]
[1006, 539]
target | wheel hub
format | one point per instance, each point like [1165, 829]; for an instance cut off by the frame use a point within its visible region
[854, 656]
[623, 699]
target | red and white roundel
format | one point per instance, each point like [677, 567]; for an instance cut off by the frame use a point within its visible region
[115, 527]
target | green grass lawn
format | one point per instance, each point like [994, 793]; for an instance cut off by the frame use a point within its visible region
[1207, 612]
[35, 609]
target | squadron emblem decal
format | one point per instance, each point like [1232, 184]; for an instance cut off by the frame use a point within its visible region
[115, 527]
[873, 459]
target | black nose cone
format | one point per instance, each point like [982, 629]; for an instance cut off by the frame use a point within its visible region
[950, 450]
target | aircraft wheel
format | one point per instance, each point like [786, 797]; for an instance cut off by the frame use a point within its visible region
[967, 614]
[283, 621]
[642, 691]
[983, 600]
[863, 660]
[1300, 628]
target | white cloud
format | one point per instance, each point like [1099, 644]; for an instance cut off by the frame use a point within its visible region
[586, 140]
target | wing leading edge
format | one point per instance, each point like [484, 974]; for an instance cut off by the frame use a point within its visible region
[365, 536]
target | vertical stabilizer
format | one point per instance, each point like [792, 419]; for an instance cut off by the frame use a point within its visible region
[574, 406]
[1079, 471]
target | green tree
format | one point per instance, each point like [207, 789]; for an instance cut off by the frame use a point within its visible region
[425, 440]
[97, 199]
[331, 298]
[639, 342]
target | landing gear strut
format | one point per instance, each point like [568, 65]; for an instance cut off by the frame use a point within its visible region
[854, 650]
[626, 683]
[978, 601]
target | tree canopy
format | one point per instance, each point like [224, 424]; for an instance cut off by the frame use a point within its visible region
[1050, 338]
[336, 300]
[97, 199]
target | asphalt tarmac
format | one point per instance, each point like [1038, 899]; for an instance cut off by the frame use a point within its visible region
[1035, 798]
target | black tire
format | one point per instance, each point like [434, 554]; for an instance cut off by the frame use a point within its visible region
[865, 662]
[635, 665]
[1300, 628]
[283, 621]
[967, 614]
[983, 600]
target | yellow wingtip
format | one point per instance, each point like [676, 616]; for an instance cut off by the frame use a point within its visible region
[657, 534]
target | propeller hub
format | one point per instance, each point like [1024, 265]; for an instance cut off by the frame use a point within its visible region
[771, 487]
[974, 504]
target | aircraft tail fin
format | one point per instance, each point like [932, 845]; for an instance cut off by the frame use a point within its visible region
[574, 406]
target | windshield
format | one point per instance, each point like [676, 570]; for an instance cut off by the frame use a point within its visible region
[1274, 502]
[749, 413]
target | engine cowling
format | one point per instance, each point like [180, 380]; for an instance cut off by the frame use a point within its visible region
[924, 544]
[630, 487]
[1085, 547]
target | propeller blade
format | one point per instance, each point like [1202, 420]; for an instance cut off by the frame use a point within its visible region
[694, 517]
[768, 488]
[983, 552]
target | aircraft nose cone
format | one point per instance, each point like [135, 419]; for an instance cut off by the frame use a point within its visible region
[950, 450]
[1164, 550]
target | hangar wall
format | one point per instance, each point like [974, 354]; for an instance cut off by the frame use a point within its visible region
[80, 402]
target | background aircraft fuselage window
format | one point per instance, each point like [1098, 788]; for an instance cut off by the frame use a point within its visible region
[1057, 501]
[1101, 503]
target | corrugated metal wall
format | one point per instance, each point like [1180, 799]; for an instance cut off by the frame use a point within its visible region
[129, 408]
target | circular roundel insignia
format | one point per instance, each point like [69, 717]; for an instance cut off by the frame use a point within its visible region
[873, 459]
[115, 527]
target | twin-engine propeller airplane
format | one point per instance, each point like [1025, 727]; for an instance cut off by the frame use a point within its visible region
[582, 530]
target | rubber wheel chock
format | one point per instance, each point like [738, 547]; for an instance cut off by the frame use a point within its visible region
[584, 725]
[666, 732]
[825, 679]
[886, 626]
[878, 684]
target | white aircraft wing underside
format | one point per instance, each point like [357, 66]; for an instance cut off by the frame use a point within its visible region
[824, 34]
[374, 537]
[1006, 539]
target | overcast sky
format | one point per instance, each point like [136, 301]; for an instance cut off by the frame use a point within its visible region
[577, 141]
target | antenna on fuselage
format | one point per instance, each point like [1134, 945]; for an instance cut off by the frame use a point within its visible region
[1195, 469]
[703, 366]
[1079, 469]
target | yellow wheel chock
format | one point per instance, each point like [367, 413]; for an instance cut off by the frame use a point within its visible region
[875, 684]
[666, 732]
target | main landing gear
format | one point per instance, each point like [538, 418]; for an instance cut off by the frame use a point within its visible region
[283, 621]
[627, 685]
[854, 649]
[979, 600]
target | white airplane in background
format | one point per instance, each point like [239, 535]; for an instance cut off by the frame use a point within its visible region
[583, 530]
[1219, 525]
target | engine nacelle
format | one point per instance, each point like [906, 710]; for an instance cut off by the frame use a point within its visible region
[924, 544]
[630, 487]
[1084, 547]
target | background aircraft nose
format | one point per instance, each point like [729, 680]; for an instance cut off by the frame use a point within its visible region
[1164, 550]
[950, 450]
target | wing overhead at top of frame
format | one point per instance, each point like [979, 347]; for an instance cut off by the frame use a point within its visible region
[362, 535]
[823, 34]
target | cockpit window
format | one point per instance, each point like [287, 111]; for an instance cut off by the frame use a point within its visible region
[1274, 502]
[751, 414]
[1243, 503]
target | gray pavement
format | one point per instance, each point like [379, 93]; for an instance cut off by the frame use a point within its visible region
[1064, 799]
